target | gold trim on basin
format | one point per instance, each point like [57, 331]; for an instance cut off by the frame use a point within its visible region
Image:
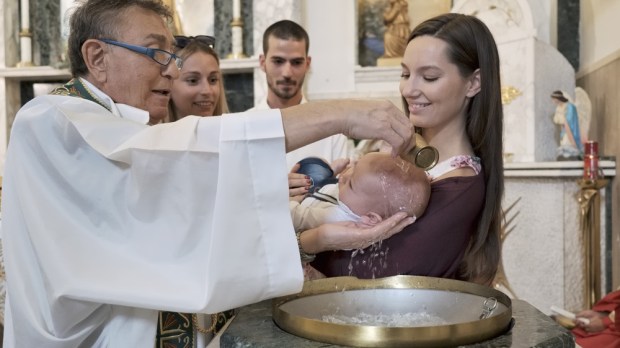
[382, 336]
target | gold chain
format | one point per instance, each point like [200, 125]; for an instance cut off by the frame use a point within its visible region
[202, 329]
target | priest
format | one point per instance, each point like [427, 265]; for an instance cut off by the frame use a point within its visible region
[110, 217]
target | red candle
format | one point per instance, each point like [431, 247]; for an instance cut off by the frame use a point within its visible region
[590, 160]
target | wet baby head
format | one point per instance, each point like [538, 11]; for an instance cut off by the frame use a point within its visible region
[383, 185]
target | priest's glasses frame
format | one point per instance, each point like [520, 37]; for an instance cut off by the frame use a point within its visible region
[161, 57]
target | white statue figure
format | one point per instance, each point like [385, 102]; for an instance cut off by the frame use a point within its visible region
[574, 120]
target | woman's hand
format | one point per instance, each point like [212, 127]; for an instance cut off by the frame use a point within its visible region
[351, 235]
[298, 184]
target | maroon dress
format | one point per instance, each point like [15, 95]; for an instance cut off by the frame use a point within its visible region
[433, 246]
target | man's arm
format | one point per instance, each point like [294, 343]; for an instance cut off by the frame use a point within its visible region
[359, 119]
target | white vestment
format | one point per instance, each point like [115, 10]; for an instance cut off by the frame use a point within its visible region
[329, 149]
[106, 221]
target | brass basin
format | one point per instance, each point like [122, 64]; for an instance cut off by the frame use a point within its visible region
[460, 306]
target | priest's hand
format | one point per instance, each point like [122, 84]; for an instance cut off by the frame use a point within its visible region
[380, 120]
[358, 119]
[348, 235]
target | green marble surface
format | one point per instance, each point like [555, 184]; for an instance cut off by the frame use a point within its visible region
[253, 327]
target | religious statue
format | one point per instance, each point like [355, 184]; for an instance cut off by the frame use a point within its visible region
[574, 121]
[396, 19]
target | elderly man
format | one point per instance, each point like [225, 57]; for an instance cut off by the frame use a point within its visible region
[107, 220]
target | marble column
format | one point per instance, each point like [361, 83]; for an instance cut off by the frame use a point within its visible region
[239, 91]
[223, 30]
[25, 34]
[47, 44]
[568, 30]
[237, 32]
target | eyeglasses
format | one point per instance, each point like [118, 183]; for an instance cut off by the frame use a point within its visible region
[159, 56]
[183, 41]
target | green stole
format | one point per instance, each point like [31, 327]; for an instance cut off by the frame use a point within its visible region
[174, 330]
[178, 330]
[75, 88]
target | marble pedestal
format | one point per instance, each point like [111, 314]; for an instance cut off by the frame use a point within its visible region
[253, 327]
[544, 256]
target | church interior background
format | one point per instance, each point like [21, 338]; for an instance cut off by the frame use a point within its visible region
[545, 45]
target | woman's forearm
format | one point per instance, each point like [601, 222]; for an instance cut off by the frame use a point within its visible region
[309, 241]
[350, 235]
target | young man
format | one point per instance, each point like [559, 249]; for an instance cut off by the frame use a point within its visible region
[106, 220]
[285, 61]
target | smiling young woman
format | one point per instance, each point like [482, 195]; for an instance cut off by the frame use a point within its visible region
[199, 90]
[451, 93]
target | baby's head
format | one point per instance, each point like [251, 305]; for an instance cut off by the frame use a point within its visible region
[382, 186]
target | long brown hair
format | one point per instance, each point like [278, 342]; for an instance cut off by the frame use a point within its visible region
[471, 46]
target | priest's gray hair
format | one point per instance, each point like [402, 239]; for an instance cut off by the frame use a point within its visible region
[97, 19]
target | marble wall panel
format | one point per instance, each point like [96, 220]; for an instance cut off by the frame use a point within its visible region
[239, 91]
[9, 54]
[568, 30]
[518, 125]
[532, 254]
[544, 257]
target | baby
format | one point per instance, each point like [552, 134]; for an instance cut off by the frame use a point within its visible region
[377, 186]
